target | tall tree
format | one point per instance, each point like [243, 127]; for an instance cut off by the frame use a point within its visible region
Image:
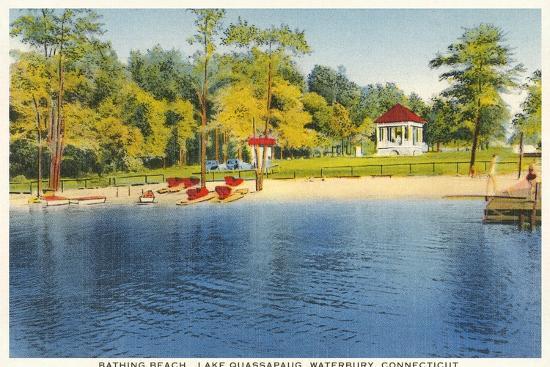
[208, 25]
[529, 120]
[333, 85]
[480, 68]
[29, 92]
[269, 46]
[65, 35]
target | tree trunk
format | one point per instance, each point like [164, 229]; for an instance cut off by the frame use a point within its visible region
[438, 147]
[216, 144]
[39, 143]
[204, 106]
[259, 184]
[281, 153]
[520, 154]
[182, 157]
[203, 147]
[474, 144]
[224, 146]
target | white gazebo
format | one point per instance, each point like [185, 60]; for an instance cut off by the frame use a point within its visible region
[399, 131]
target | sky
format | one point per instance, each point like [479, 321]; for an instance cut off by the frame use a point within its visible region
[374, 45]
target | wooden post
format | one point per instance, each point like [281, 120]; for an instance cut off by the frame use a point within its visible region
[433, 167]
[410, 168]
[117, 191]
[520, 154]
[62, 185]
[534, 210]
[380, 170]
[128, 190]
[520, 220]
[146, 181]
[457, 168]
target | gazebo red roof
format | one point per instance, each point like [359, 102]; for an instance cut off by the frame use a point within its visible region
[399, 113]
[262, 141]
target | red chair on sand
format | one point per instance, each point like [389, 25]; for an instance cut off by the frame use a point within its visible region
[232, 181]
[196, 193]
[223, 192]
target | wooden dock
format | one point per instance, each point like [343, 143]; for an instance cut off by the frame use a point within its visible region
[515, 210]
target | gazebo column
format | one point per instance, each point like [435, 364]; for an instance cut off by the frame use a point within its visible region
[402, 134]
[420, 129]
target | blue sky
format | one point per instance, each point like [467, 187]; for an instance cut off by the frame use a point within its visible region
[374, 45]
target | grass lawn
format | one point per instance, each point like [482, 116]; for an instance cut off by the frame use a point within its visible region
[445, 164]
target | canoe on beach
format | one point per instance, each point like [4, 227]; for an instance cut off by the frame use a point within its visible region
[88, 200]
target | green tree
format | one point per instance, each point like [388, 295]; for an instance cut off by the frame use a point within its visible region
[30, 78]
[529, 120]
[269, 47]
[65, 35]
[333, 85]
[208, 25]
[480, 67]
[163, 73]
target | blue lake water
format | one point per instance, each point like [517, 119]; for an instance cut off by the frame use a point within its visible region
[371, 278]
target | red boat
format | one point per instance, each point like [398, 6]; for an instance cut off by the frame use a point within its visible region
[223, 192]
[196, 193]
[232, 181]
[176, 184]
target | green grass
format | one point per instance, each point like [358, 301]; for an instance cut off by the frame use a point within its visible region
[332, 167]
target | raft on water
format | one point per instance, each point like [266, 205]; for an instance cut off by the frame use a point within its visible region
[504, 209]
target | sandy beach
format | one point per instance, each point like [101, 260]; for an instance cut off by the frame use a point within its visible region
[313, 189]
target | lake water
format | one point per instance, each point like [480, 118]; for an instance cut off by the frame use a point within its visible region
[371, 278]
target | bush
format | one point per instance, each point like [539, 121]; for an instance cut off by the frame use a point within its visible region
[19, 179]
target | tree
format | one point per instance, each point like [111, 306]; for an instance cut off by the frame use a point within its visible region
[290, 118]
[340, 124]
[443, 120]
[529, 120]
[238, 106]
[179, 116]
[333, 85]
[64, 35]
[163, 73]
[269, 46]
[480, 68]
[376, 99]
[208, 25]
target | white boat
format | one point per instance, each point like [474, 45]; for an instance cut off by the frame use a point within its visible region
[56, 200]
[88, 200]
[147, 197]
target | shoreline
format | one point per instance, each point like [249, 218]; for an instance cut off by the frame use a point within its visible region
[311, 189]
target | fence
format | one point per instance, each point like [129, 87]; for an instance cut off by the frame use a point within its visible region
[84, 183]
[250, 174]
[404, 168]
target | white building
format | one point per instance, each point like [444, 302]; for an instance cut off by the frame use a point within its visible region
[399, 131]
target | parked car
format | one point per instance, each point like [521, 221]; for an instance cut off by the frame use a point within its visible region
[237, 164]
[212, 165]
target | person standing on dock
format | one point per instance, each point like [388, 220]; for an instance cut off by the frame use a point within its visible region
[491, 179]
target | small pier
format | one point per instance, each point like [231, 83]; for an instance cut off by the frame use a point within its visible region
[522, 211]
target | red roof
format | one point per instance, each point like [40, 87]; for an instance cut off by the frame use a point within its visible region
[261, 141]
[399, 113]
